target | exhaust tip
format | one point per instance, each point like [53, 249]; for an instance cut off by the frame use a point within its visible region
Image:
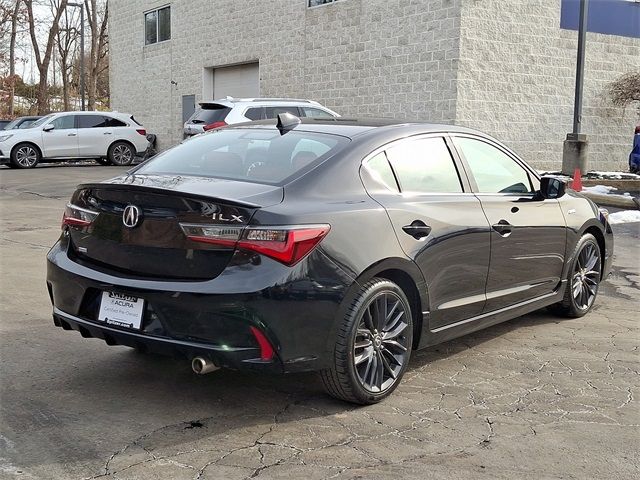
[202, 366]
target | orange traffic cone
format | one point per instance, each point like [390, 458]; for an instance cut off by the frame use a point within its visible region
[577, 181]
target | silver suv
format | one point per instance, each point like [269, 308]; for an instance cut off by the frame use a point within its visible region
[218, 113]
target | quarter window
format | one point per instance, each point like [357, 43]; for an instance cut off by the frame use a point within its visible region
[494, 171]
[380, 169]
[424, 166]
[157, 25]
[273, 112]
[64, 123]
[254, 113]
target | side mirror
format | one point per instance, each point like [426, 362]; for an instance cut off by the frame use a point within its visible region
[48, 128]
[551, 187]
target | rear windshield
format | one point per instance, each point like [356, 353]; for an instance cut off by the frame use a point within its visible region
[257, 155]
[209, 114]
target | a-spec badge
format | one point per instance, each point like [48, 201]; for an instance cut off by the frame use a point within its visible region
[131, 216]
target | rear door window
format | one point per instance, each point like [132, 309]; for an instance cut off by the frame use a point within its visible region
[114, 122]
[273, 112]
[424, 165]
[316, 113]
[92, 121]
[254, 113]
[258, 155]
[208, 114]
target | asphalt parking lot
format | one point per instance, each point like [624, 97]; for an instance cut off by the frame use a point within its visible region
[534, 397]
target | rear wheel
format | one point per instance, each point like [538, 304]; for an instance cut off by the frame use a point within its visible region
[373, 345]
[121, 154]
[25, 155]
[583, 279]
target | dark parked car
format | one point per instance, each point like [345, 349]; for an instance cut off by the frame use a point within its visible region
[331, 245]
[21, 122]
[4, 123]
[634, 156]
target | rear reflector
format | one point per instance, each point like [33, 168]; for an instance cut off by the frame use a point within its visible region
[266, 350]
[213, 125]
[141, 131]
[287, 245]
[77, 217]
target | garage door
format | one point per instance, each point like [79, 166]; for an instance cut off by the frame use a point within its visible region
[240, 81]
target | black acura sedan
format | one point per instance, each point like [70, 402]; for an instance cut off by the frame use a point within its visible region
[331, 245]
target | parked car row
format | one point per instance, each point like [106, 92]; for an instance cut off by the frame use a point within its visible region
[108, 137]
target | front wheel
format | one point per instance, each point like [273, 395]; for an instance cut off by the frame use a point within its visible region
[25, 155]
[373, 345]
[583, 279]
[121, 154]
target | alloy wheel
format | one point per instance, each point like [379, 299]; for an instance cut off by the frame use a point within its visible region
[122, 155]
[381, 347]
[586, 276]
[26, 156]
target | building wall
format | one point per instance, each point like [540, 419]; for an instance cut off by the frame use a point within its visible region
[517, 76]
[391, 58]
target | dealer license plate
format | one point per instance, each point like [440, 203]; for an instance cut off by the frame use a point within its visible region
[121, 310]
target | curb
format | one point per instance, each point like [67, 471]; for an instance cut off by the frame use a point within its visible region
[618, 201]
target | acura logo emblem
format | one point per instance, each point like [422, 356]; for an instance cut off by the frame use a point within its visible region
[131, 216]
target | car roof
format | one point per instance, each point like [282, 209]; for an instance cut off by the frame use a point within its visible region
[353, 127]
[231, 101]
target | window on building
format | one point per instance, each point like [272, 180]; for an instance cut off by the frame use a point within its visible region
[424, 166]
[157, 25]
[315, 3]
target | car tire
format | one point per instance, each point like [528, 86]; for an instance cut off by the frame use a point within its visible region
[373, 345]
[103, 161]
[25, 155]
[121, 154]
[583, 279]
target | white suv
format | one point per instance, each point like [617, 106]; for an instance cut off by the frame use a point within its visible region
[218, 113]
[109, 137]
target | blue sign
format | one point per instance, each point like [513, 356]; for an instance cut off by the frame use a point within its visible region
[611, 17]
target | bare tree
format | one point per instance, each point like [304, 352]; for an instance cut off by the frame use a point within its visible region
[44, 59]
[66, 40]
[625, 90]
[98, 61]
[12, 56]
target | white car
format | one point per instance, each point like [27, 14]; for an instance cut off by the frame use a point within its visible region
[109, 137]
[227, 111]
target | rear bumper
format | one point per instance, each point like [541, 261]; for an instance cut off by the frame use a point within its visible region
[236, 358]
[293, 307]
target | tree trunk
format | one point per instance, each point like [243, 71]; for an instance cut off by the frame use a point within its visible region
[42, 62]
[12, 57]
[97, 49]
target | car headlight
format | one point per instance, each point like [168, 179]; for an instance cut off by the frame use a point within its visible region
[4, 138]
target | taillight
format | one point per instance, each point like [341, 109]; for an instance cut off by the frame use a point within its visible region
[77, 217]
[213, 125]
[141, 131]
[266, 350]
[287, 245]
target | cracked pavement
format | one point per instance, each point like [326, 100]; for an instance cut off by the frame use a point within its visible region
[536, 396]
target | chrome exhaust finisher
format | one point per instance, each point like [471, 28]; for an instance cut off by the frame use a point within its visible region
[202, 366]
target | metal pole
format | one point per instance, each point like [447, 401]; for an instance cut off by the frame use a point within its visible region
[82, 54]
[582, 37]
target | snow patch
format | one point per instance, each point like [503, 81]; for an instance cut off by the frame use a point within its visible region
[599, 189]
[624, 216]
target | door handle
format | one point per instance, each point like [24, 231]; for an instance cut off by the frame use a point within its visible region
[503, 227]
[418, 229]
[107, 133]
[71, 134]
